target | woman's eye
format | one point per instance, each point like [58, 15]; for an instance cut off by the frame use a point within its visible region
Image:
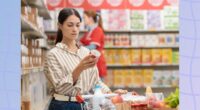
[70, 25]
[77, 25]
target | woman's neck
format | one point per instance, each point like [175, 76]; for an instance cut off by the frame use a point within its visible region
[71, 44]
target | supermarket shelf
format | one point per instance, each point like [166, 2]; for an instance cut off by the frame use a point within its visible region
[132, 47]
[45, 47]
[26, 71]
[153, 87]
[31, 30]
[51, 32]
[54, 32]
[47, 102]
[142, 31]
[124, 31]
[142, 65]
[42, 8]
[142, 90]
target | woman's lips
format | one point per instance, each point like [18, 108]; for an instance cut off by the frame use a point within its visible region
[74, 34]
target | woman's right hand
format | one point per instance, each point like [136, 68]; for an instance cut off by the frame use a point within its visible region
[87, 62]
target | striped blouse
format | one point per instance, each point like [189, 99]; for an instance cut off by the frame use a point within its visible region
[58, 68]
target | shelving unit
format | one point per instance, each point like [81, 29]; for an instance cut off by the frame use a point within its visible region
[142, 90]
[33, 80]
[31, 30]
[141, 31]
[131, 47]
[40, 4]
[26, 71]
[143, 66]
[46, 103]
[53, 32]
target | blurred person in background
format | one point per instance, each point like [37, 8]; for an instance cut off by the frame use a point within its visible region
[94, 38]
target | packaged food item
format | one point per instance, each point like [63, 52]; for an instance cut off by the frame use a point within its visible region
[148, 77]
[141, 41]
[96, 53]
[162, 39]
[138, 78]
[125, 57]
[156, 56]
[134, 41]
[170, 18]
[128, 78]
[116, 57]
[167, 56]
[151, 41]
[136, 55]
[109, 78]
[116, 19]
[118, 79]
[138, 19]
[167, 80]
[157, 78]
[175, 78]
[170, 39]
[175, 57]
[109, 56]
[146, 56]
[24, 11]
[154, 20]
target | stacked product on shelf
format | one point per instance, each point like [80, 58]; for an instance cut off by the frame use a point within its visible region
[134, 78]
[32, 54]
[51, 25]
[116, 19]
[141, 40]
[138, 19]
[154, 20]
[170, 18]
[141, 56]
[30, 14]
[35, 94]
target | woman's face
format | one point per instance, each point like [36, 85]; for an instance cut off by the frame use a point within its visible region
[70, 27]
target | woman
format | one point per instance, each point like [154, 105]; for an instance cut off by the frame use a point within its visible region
[69, 67]
[94, 38]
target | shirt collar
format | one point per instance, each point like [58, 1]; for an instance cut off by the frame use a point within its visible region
[90, 28]
[65, 47]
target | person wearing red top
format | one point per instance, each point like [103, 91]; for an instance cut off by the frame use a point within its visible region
[94, 38]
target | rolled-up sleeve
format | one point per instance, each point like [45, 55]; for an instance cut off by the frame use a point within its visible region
[60, 79]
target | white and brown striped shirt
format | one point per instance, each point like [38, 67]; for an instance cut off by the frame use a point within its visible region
[59, 65]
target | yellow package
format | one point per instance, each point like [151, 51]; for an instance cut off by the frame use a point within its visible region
[156, 56]
[167, 56]
[135, 56]
[118, 79]
[132, 72]
[138, 78]
[116, 57]
[146, 56]
[125, 57]
[108, 56]
[148, 77]
[109, 78]
[128, 78]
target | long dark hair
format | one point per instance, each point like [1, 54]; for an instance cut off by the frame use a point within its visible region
[63, 15]
[96, 17]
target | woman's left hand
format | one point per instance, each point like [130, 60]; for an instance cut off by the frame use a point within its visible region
[120, 91]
